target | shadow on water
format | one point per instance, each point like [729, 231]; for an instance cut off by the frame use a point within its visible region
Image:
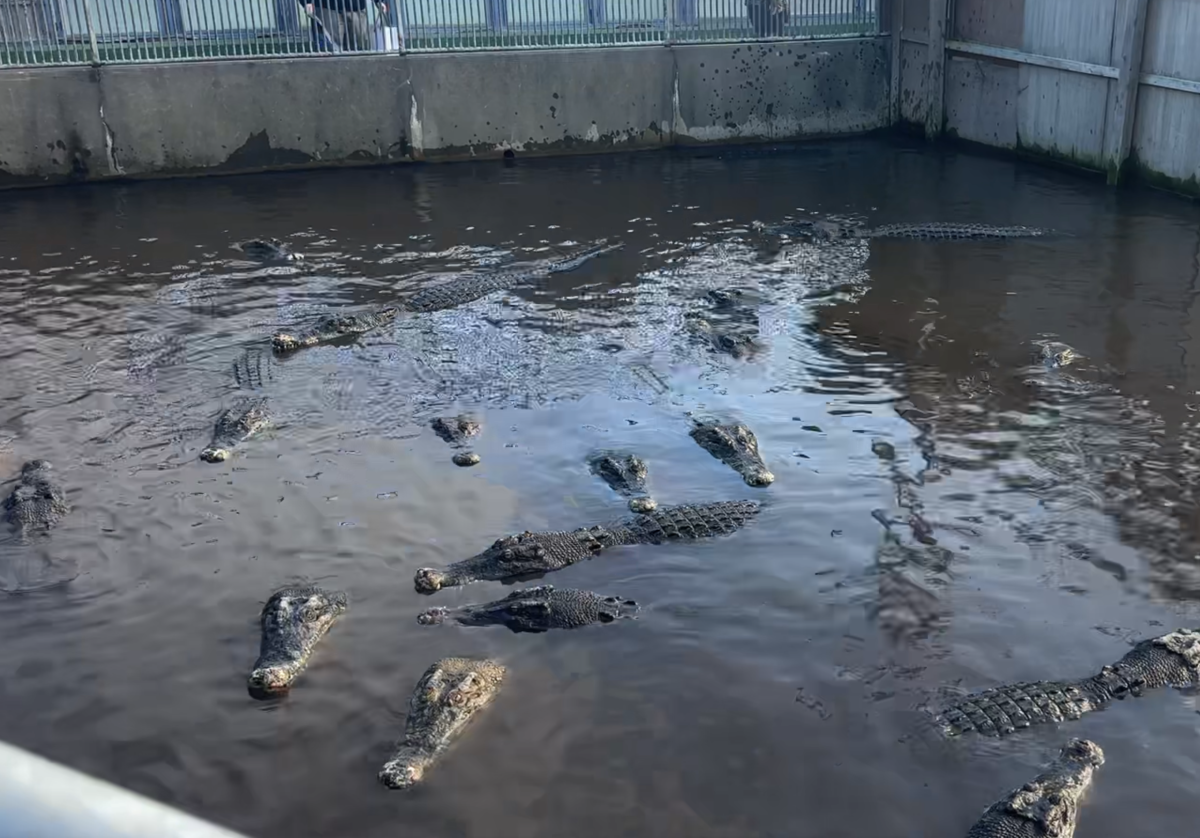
[948, 513]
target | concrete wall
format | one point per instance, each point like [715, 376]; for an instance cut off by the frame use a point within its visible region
[229, 116]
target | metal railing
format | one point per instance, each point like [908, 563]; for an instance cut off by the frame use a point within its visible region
[63, 32]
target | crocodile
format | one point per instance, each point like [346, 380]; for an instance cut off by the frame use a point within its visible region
[37, 502]
[537, 609]
[735, 445]
[1048, 805]
[268, 250]
[293, 621]
[447, 697]
[471, 287]
[1053, 354]
[236, 425]
[333, 327]
[927, 231]
[719, 339]
[626, 475]
[1171, 660]
[532, 553]
[456, 430]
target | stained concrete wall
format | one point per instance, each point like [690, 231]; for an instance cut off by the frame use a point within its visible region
[229, 116]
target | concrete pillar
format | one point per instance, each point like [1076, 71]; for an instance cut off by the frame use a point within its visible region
[1129, 37]
[935, 69]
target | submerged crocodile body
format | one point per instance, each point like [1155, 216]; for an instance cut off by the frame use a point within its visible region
[333, 327]
[1048, 805]
[448, 696]
[735, 445]
[626, 475]
[37, 502]
[236, 425]
[537, 610]
[926, 231]
[268, 250]
[540, 552]
[293, 621]
[473, 286]
[1172, 660]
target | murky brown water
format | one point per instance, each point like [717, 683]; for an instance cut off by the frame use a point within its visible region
[771, 686]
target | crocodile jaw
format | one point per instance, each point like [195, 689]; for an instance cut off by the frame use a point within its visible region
[214, 455]
[759, 477]
[405, 769]
[430, 579]
[432, 617]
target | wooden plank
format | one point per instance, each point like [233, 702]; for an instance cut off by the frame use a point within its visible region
[1127, 45]
[1183, 85]
[1049, 61]
[935, 69]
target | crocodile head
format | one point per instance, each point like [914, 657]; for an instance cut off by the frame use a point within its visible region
[36, 501]
[623, 472]
[1084, 752]
[215, 454]
[517, 554]
[293, 620]
[448, 696]
[456, 429]
[735, 445]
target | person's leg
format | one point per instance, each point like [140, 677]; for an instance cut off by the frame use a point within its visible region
[331, 19]
[359, 33]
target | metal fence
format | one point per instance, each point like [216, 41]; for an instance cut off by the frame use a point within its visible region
[60, 32]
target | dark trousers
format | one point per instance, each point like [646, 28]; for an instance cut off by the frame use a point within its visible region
[347, 29]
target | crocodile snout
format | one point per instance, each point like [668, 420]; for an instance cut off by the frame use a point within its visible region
[429, 579]
[759, 477]
[271, 680]
[214, 455]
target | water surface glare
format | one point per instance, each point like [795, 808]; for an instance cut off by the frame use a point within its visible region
[1031, 524]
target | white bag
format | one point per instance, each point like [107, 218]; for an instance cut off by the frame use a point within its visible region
[387, 38]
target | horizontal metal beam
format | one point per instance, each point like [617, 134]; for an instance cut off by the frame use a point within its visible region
[1065, 64]
[1170, 82]
[1007, 54]
[42, 799]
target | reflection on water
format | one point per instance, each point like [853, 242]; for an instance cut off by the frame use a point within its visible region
[949, 512]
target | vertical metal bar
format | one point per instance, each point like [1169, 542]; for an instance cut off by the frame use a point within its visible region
[91, 28]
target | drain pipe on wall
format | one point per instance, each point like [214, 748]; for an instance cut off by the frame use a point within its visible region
[42, 799]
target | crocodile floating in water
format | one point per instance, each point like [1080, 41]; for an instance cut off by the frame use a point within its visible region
[735, 445]
[1054, 354]
[333, 327]
[1172, 660]
[537, 610]
[541, 552]
[37, 502]
[626, 475]
[236, 425]
[1048, 805]
[268, 250]
[456, 430]
[293, 621]
[473, 286]
[927, 231]
[448, 696]
[721, 338]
